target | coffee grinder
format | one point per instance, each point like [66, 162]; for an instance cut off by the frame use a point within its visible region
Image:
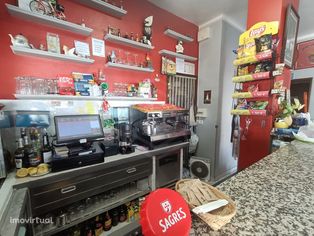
[125, 138]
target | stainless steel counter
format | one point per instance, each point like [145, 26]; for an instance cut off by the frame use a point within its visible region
[274, 196]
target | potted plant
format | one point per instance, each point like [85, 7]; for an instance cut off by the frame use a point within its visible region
[284, 119]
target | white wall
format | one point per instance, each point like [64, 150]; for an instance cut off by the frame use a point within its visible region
[225, 163]
[215, 74]
[306, 73]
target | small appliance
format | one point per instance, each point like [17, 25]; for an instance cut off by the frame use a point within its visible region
[200, 168]
[125, 138]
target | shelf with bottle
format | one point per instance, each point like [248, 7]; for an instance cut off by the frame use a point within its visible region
[127, 42]
[100, 205]
[165, 52]
[24, 51]
[48, 20]
[72, 97]
[104, 6]
[178, 36]
[129, 67]
[258, 57]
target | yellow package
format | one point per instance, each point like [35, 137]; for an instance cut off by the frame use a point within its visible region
[247, 45]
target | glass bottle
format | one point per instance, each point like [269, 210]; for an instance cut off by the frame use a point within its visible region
[107, 222]
[29, 153]
[46, 151]
[36, 147]
[98, 226]
[19, 155]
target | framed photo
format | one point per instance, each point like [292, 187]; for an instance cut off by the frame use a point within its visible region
[290, 37]
[207, 96]
[305, 55]
[53, 43]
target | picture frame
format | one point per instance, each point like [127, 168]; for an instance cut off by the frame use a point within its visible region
[290, 37]
[207, 96]
[53, 43]
[305, 55]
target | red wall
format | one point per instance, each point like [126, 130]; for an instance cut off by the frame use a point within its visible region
[12, 65]
[257, 144]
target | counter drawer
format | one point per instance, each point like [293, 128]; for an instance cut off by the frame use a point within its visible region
[48, 197]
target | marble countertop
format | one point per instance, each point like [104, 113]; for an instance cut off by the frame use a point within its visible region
[274, 196]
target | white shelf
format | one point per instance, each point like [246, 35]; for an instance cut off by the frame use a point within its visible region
[117, 98]
[127, 42]
[70, 97]
[56, 97]
[50, 55]
[178, 36]
[48, 20]
[104, 7]
[128, 67]
[174, 54]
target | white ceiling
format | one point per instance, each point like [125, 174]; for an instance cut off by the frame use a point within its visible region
[202, 11]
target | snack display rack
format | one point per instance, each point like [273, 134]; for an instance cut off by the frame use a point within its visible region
[255, 62]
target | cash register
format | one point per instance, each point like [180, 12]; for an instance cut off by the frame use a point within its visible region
[76, 141]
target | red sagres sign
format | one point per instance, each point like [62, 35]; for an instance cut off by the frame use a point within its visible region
[165, 212]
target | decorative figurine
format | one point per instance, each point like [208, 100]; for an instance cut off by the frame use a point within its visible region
[148, 62]
[148, 22]
[42, 47]
[19, 40]
[179, 47]
[113, 56]
[67, 51]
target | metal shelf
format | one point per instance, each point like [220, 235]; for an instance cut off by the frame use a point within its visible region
[48, 20]
[174, 54]
[49, 55]
[104, 7]
[98, 209]
[178, 36]
[128, 67]
[127, 42]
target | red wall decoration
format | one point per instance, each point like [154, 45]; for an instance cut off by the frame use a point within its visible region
[137, 10]
[305, 55]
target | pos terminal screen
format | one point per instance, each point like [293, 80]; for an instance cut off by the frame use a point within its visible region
[73, 128]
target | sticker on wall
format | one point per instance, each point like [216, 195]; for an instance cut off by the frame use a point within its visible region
[207, 96]
[98, 47]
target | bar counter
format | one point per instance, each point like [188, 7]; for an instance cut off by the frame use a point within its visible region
[275, 196]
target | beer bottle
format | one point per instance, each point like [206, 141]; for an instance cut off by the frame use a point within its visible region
[20, 155]
[46, 151]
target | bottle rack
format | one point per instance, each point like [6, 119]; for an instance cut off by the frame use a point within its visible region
[97, 209]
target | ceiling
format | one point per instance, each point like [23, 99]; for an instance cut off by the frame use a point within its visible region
[202, 11]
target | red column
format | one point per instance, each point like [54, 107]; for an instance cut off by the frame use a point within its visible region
[257, 144]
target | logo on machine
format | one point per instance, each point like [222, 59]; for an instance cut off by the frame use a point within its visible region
[166, 206]
[258, 31]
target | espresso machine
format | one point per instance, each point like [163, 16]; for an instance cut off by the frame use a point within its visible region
[125, 138]
[157, 125]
